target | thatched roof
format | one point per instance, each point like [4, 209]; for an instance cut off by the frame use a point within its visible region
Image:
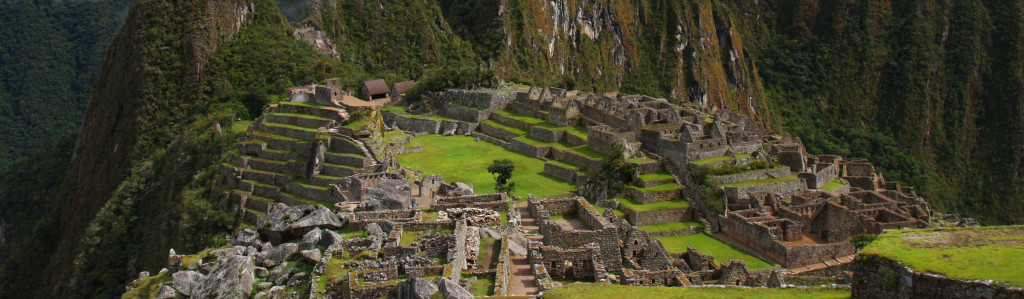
[375, 87]
[402, 87]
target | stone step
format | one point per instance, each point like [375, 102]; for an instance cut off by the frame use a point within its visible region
[293, 199]
[266, 177]
[308, 190]
[259, 203]
[325, 180]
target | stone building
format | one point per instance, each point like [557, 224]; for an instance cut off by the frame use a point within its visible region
[374, 90]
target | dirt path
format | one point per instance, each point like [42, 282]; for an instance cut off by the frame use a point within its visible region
[522, 281]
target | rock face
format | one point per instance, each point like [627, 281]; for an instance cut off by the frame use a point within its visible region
[186, 281]
[413, 288]
[282, 253]
[390, 195]
[452, 290]
[166, 292]
[232, 278]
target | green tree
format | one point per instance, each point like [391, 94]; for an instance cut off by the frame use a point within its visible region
[502, 172]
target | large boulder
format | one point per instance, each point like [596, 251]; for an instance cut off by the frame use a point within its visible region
[310, 239]
[373, 229]
[329, 237]
[246, 237]
[487, 232]
[389, 195]
[413, 288]
[285, 252]
[452, 290]
[516, 249]
[318, 218]
[232, 278]
[186, 281]
[312, 256]
[165, 292]
[275, 226]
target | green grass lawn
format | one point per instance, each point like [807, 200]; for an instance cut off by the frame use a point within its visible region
[578, 131]
[656, 177]
[761, 182]
[561, 146]
[600, 210]
[719, 159]
[963, 253]
[639, 207]
[462, 159]
[299, 115]
[611, 291]
[510, 129]
[240, 126]
[662, 187]
[668, 227]
[516, 116]
[589, 153]
[706, 244]
[484, 286]
[832, 185]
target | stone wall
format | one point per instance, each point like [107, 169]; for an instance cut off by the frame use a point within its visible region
[566, 174]
[657, 216]
[878, 277]
[412, 124]
[749, 176]
[653, 196]
[547, 135]
[784, 188]
[497, 132]
[822, 175]
[761, 238]
[529, 150]
[485, 99]
[504, 270]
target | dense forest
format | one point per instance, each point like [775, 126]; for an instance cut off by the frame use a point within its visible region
[50, 53]
[930, 91]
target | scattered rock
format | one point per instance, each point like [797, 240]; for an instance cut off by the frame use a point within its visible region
[261, 272]
[319, 218]
[310, 239]
[186, 281]
[452, 290]
[414, 288]
[276, 292]
[231, 278]
[274, 226]
[329, 238]
[285, 252]
[166, 292]
[246, 237]
[143, 275]
[312, 255]
[297, 279]
[264, 286]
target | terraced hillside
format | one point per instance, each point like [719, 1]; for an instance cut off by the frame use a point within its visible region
[291, 155]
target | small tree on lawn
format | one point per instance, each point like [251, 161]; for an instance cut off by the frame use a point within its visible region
[502, 172]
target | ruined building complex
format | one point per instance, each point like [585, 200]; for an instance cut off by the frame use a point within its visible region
[323, 190]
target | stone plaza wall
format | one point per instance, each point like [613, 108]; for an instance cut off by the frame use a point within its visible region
[555, 170]
[749, 176]
[657, 216]
[653, 196]
[497, 132]
[785, 188]
[878, 277]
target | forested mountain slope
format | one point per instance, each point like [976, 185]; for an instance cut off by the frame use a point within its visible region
[50, 52]
[930, 91]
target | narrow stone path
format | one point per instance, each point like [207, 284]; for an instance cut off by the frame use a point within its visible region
[822, 265]
[522, 281]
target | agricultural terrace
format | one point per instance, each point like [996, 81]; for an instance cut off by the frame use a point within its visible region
[962, 253]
